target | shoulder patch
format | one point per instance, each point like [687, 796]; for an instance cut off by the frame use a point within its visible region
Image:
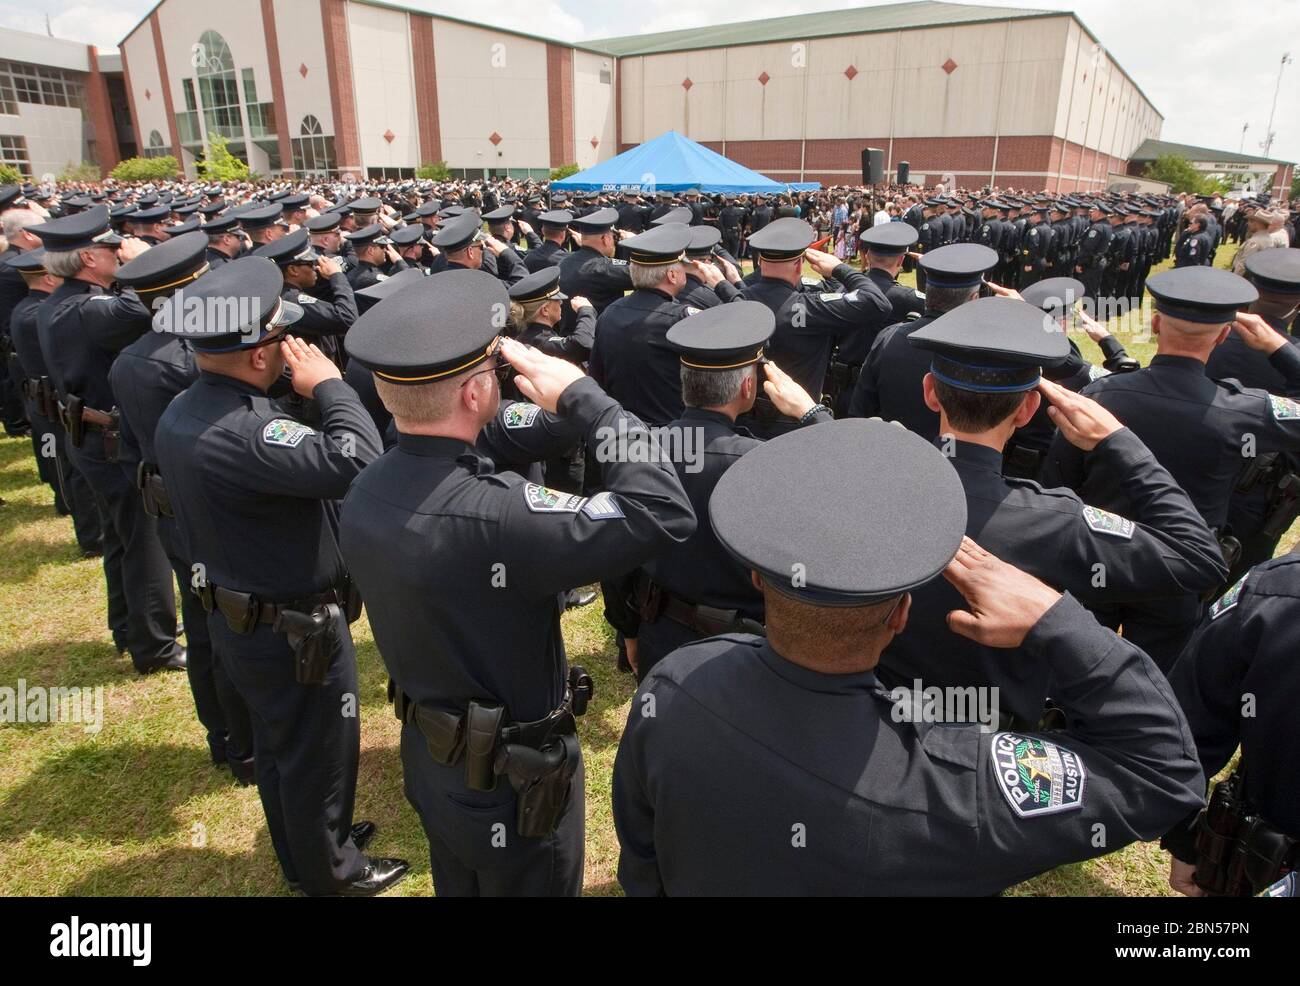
[542, 500]
[1283, 408]
[692, 310]
[602, 506]
[1036, 776]
[520, 415]
[1229, 598]
[304, 298]
[381, 277]
[1105, 522]
[618, 263]
[831, 295]
[1092, 232]
[1097, 372]
[285, 432]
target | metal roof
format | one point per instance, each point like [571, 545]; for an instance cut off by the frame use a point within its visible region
[1152, 149]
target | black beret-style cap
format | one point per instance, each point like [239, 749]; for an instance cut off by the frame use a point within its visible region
[703, 240]
[168, 265]
[659, 246]
[458, 232]
[992, 345]
[958, 265]
[890, 239]
[539, 286]
[599, 221]
[441, 326]
[783, 239]
[235, 306]
[323, 223]
[1054, 295]
[556, 218]
[405, 236]
[898, 504]
[1206, 295]
[723, 337]
[260, 216]
[1275, 270]
[374, 233]
[391, 285]
[292, 248]
[77, 231]
[679, 215]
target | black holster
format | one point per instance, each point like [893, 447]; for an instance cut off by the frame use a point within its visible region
[153, 492]
[73, 423]
[1283, 507]
[541, 779]
[312, 637]
[482, 734]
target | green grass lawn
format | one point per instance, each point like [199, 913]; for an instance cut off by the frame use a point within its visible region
[136, 809]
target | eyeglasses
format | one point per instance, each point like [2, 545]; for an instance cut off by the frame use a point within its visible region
[501, 367]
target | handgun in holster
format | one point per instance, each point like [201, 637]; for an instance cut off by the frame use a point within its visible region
[47, 402]
[1256, 472]
[1284, 506]
[541, 779]
[311, 637]
[1230, 547]
[1216, 830]
[838, 375]
[1260, 855]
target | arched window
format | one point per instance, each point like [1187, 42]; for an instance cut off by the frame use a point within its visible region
[218, 89]
[313, 152]
[156, 146]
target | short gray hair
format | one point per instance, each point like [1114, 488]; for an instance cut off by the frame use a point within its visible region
[713, 388]
[19, 219]
[63, 263]
[645, 277]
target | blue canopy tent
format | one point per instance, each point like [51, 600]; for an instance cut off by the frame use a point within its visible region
[673, 163]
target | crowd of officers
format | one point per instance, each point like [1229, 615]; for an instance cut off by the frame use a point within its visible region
[459, 405]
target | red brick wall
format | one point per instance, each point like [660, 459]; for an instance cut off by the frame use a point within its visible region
[338, 66]
[107, 153]
[282, 125]
[426, 88]
[559, 104]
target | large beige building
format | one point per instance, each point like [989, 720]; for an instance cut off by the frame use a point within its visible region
[987, 95]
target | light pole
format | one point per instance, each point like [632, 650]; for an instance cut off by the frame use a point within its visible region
[1242, 146]
[1267, 143]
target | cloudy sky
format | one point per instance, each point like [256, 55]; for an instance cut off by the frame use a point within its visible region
[1210, 68]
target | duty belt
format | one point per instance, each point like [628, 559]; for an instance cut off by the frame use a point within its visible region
[244, 610]
[652, 600]
[40, 392]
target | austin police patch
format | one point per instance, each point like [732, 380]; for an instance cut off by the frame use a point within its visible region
[285, 432]
[831, 295]
[1036, 776]
[304, 298]
[1284, 408]
[1229, 599]
[520, 415]
[1097, 372]
[1105, 522]
[542, 500]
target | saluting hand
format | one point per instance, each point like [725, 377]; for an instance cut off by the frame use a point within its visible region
[785, 392]
[1096, 331]
[1004, 602]
[1083, 422]
[1257, 333]
[578, 301]
[308, 365]
[708, 273]
[1002, 292]
[132, 247]
[542, 379]
[823, 263]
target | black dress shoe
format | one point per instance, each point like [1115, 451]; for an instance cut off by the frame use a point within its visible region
[244, 771]
[378, 876]
[575, 598]
[362, 833]
[177, 662]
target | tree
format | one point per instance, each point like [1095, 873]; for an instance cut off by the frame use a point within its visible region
[1178, 172]
[10, 175]
[219, 164]
[563, 171]
[163, 168]
[438, 171]
[84, 172]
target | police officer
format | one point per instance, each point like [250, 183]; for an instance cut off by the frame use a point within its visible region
[856, 799]
[462, 241]
[72, 495]
[1243, 655]
[731, 223]
[253, 492]
[1060, 262]
[591, 271]
[82, 326]
[884, 248]
[554, 225]
[1091, 252]
[1034, 248]
[263, 223]
[1266, 500]
[374, 259]
[541, 306]
[696, 589]
[1193, 247]
[1195, 427]
[702, 249]
[631, 358]
[145, 377]
[889, 385]
[327, 238]
[984, 382]
[465, 564]
[808, 319]
[318, 286]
